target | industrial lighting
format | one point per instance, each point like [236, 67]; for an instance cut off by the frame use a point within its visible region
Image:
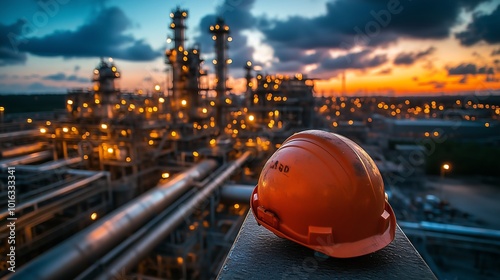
[43, 130]
[183, 102]
[85, 157]
[165, 175]
[446, 166]
[204, 110]
[195, 154]
[70, 102]
[251, 118]
[29, 120]
[157, 87]
[487, 124]
[65, 129]
[128, 159]
[104, 126]
[93, 216]
[236, 206]
[161, 100]
[110, 150]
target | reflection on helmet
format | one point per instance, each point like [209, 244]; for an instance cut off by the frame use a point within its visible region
[323, 191]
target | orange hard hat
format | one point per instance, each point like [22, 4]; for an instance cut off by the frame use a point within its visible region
[323, 191]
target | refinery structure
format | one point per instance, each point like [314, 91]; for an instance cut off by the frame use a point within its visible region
[157, 185]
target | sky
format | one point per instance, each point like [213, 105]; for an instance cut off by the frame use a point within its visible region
[393, 47]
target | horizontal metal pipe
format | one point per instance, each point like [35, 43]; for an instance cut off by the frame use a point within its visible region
[19, 134]
[24, 149]
[63, 190]
[452, 229]
[236, 193]
[49, 165]
[26, 159]
[136, 252]
[72, 256]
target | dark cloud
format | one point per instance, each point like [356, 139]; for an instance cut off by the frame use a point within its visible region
[9, 54]
[495, 52]
[409, 58]
[238, 17]
[356, 60]
[469, 69]
[482, 28]
[105, 35]
[63, 77]
[348, 23]
[434, 83]
[385, 71]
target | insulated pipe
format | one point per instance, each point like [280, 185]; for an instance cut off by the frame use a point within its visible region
[236, 193]
[146, 244]
[72, 256]
[24, 149]
[19, 134]
[57, 192]
[49, 165]
[25, 159]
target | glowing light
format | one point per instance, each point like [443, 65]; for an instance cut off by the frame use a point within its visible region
[93, 216]
[212, 103]
[157, 87]
[97, 101]
[196, 154]
[251, 118]
[110, 150]
[85, 105]
[487, 124]
[229, 61]
[436, 134]
[229, 39]
[43, 130]
[427, 134]
[70, 102]
[29, 120]
[165, 175]
[128, 159]
[65, 129]
[236, 206]
[161, 100]
[48, 123]
[151, 142]
[85, 157]
[180, 260]
[214, 61]
[204, 110]
[446, 166]
[183, 102]
[173, 134]
[104, 126]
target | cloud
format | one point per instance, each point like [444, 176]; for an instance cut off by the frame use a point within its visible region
[409, 58]
[469, 69]
[495, 52]
[385, 71]
[482, 28]
[348, 23]
[434, 83]
[9, 54]
[104, 35]
[355, 60]
[63, 77]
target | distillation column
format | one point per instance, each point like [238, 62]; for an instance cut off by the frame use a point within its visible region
[220, 34]
[176, 55]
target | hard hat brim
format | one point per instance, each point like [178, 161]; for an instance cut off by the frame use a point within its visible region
[328, 247]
